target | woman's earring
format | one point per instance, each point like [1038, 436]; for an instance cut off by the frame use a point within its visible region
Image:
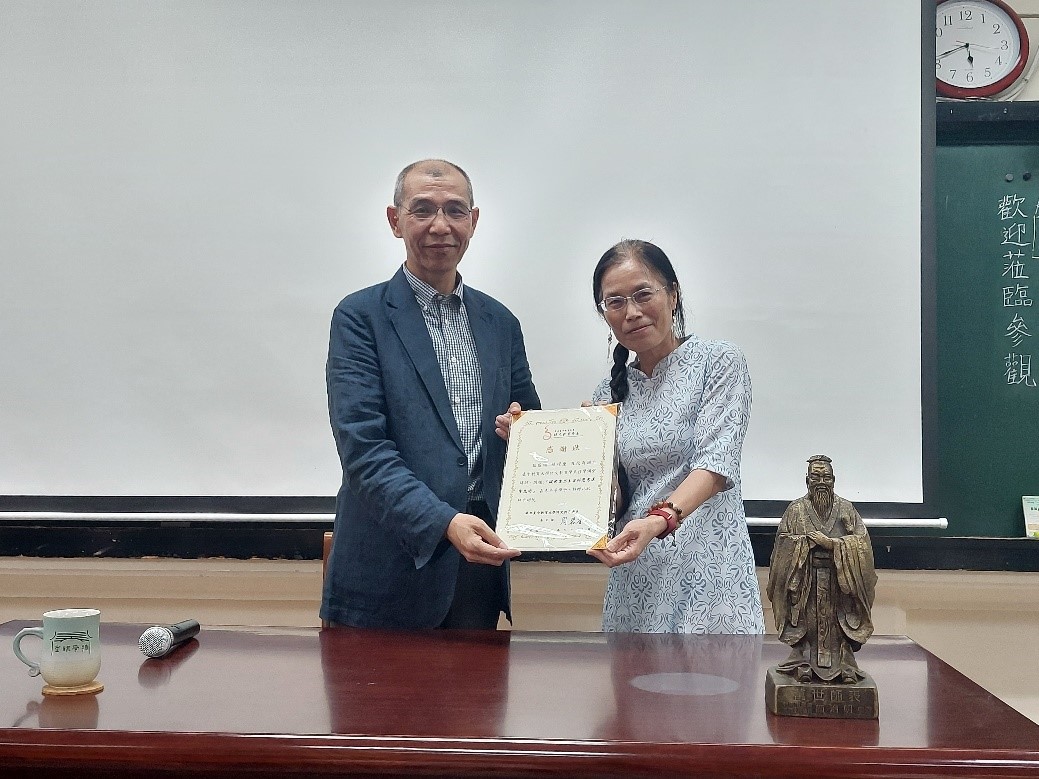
[609, 345]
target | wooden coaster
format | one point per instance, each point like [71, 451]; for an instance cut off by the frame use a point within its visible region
[82, 689]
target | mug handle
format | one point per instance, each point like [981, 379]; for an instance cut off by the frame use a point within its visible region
[34, 668]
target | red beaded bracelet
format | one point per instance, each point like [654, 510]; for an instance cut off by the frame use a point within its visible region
[672, 521]
[666, 504]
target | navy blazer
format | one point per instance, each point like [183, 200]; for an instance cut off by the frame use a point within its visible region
[405, 473]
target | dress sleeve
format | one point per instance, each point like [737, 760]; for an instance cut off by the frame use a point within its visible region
[602, 392]
[721, 422]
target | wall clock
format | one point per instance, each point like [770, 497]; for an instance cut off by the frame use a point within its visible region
[981, 47]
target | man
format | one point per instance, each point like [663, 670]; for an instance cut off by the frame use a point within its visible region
[417, 369]
[821, 582]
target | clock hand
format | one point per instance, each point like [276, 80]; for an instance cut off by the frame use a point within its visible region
[981, 46]
[951, 51]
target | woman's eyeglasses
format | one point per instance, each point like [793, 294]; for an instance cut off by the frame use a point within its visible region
[619, 302]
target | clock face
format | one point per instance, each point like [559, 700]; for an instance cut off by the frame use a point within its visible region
[980, 50]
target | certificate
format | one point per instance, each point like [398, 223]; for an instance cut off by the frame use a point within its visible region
[557, 491]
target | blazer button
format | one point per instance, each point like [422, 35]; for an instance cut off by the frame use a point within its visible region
[461, 461]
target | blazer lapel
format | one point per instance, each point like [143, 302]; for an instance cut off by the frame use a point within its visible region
[488, 349]
[406, 317]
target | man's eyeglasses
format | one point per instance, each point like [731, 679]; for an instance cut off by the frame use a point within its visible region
[620, 302]
[453, 212]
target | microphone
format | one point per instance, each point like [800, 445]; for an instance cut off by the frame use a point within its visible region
[160, 640]
[156, 671]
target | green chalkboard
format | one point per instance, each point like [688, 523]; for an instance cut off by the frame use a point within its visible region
[987, 251]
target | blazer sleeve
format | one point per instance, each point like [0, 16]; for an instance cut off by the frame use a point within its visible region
[373, 466]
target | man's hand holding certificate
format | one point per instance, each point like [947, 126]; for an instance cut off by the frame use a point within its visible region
[557, 491]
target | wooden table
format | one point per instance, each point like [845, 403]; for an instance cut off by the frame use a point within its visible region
[374, 703]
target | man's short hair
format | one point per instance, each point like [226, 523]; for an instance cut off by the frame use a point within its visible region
[435, 170]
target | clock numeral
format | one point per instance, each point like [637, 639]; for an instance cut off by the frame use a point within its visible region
[965, 15]
[947, 20]
[937, 32]
[970, 77]
[988, 72]
[952, 73]
[1004, 45]
[996, 28]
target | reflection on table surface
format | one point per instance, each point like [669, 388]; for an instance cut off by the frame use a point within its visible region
[501, 685]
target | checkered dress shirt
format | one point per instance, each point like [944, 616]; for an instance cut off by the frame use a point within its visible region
[453, 343]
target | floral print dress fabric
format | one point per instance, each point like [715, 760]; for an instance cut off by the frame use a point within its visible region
[691, 413]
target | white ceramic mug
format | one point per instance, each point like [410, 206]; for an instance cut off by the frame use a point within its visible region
[71, 653]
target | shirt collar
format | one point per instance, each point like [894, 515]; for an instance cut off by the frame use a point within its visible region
[684, 346]
[426, 294]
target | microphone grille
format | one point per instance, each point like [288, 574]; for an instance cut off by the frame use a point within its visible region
[156, 641]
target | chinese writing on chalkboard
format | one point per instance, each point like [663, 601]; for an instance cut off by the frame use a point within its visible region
[1020, 247]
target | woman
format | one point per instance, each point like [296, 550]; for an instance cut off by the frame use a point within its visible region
[681, 558]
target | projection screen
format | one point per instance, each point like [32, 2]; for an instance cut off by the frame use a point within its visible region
[190, 187]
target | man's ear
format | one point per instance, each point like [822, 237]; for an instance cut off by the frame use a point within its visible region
[393, 217]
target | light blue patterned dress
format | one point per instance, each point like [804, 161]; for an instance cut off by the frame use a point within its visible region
[691, 413]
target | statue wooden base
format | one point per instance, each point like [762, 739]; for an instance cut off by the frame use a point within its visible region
[788, 697]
